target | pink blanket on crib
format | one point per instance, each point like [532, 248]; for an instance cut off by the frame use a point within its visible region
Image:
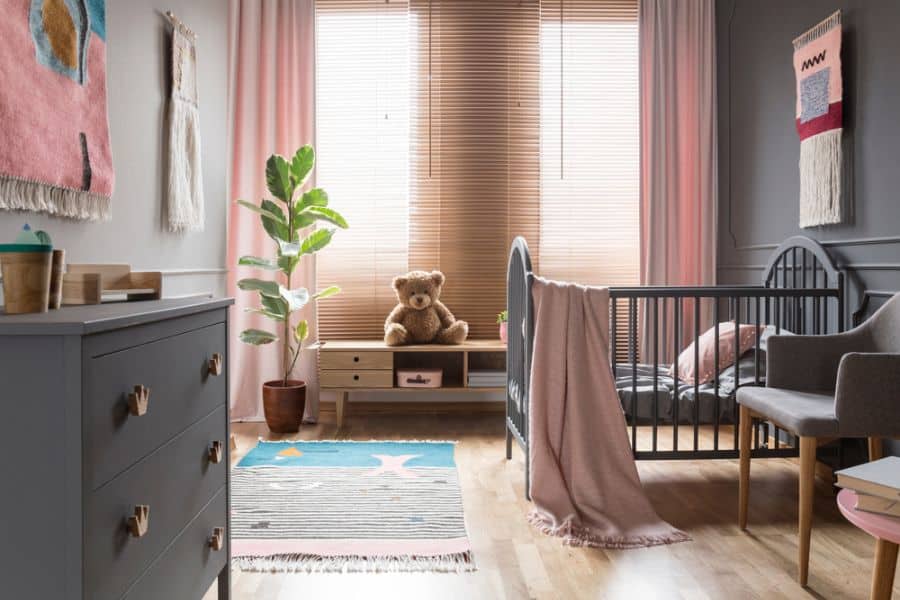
[584, 482]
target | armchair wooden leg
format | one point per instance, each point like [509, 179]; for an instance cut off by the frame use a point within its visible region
[876, 450]
[807, 486]
[746, 430]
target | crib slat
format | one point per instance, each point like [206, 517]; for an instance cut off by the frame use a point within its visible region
[656, 370]
[737, 352]
[716, 374]
[632, 353]
[696, 373]
[676, 341]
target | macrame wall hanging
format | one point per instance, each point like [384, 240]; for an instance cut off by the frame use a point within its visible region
[817, 65]
[184, 192]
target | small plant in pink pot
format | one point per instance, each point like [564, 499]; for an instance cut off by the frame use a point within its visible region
[502, 319]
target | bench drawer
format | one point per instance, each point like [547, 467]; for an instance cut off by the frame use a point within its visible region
[182, 389]
[189, 566]
[357, 379]
[175, 482]
[356, 360]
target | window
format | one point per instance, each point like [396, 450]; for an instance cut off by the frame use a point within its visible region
[362, 147]
[447, 127]
[590, 161]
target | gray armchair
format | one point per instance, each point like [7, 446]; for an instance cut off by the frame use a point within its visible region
[825, 387]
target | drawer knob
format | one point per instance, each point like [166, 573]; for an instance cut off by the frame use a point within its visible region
[139, 523]
[215, 452]
[215, 364]
[356, 378]
[139, 400]
[355, 359]
[217, 539]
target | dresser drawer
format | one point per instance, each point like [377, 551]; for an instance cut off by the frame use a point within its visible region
[181, 390]
[189, 565]
[356, 379]
[356, 360]
[175, 482]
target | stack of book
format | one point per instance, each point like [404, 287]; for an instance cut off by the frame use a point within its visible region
[877, 485]
[487, 379]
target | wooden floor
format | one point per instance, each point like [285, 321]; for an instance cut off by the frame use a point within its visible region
[514, 561]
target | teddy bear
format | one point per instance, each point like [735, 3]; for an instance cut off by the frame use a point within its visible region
[420, 317]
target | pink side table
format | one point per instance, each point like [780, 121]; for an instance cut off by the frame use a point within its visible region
[886, 531]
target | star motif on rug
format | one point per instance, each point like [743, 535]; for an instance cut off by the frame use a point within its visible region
[393, 464]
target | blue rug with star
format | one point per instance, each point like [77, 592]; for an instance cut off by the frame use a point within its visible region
[349, 506]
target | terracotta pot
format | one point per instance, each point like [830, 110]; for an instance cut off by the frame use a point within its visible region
[504, 329]
[283, 405]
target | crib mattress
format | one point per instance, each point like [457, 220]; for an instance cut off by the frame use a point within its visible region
[638, 400]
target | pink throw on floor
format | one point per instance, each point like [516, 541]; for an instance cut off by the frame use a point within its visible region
[584, 483]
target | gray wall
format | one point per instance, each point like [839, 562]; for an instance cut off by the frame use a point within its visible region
[759, 149]
[137, 76]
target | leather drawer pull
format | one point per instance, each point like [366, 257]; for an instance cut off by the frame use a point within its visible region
[138, 401]
[215, 364]
[217, 539]
[139, 523]
[215, 452]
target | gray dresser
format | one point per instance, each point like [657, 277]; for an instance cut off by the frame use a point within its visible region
[114, 452]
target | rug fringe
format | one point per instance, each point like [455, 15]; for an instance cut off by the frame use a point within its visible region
[24, 194]
[579, 536]
[460, 562]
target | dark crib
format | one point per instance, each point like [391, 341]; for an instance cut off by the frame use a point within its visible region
[802, 292]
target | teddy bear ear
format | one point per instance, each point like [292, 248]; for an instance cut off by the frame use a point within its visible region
[399, 282]
[437, 277]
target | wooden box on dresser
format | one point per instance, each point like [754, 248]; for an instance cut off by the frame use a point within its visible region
[114, 452]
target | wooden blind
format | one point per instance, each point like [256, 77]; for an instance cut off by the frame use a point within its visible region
[590, 141]
[474, 175]
[362, 144]
[590, 138]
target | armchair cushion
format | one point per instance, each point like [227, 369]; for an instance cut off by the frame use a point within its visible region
[867, 399]
[810, 362]
[803, 413]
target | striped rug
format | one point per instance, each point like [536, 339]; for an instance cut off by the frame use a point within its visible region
[343, 506]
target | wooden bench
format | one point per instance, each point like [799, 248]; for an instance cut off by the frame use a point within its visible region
[371, 366]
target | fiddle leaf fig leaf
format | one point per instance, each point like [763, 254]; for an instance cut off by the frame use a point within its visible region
[316, 241]
[326, 214]
[301, 332]
[287, 264]
[296, 299]
[266, 288]
[314, 197]
[329, 291]
[278, 177]
[277, 217]
[275, 306]
[257, 337]
[289, 248]
[276, 228]
[302, 164]
[260, 263]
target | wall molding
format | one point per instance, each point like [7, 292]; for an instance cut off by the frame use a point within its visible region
[846, 267]
[863, 241]
[189, 271]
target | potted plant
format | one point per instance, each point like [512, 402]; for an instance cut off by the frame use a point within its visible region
[502, 319]
[284, 399]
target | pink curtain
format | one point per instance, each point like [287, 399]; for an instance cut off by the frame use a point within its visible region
[271, 106]
[678, 152]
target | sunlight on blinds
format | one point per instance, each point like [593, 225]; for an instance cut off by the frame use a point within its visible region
[362, 145]
[589, 141]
